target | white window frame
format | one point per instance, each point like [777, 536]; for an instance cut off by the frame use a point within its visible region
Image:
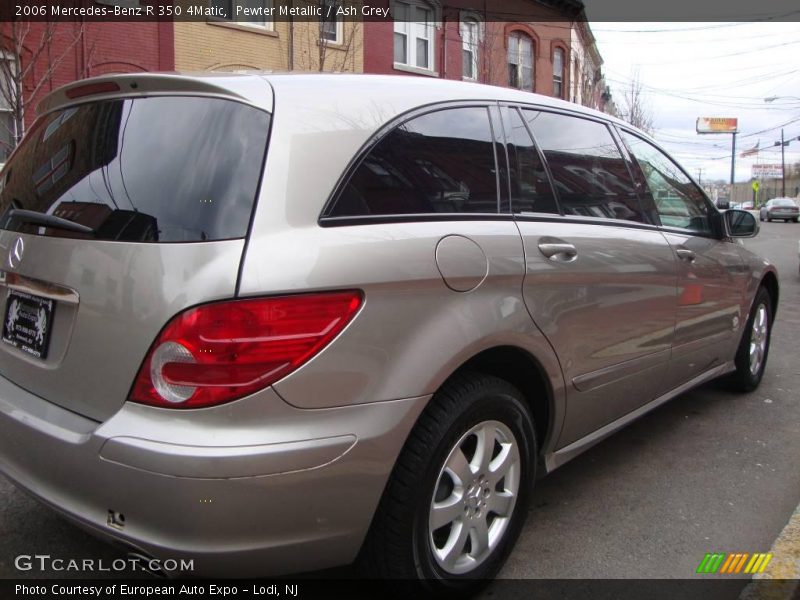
[268, 24]
[414, 31]
[522, 36]
[8, 110]
[339, 30]
[559, 78]
[471, 29]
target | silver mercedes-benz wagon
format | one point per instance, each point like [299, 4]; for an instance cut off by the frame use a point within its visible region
[276, 323]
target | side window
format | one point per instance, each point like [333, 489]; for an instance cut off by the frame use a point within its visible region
[678, 201]
[589, 173]
[530, 186]
[440, 162]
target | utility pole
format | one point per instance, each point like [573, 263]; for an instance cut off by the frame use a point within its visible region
[783, 166]
[733, 159]
[700, 176]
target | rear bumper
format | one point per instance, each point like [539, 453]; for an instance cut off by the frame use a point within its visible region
[253, 488]
[783, 215]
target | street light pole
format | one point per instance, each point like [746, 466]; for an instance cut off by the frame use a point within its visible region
[733, 159]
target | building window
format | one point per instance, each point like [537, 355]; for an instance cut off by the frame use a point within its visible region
[8, 125]
[331, 23]
[576, 70]
[520, 61]
[253, 13]
[413, 35]
[470, 36]
[558, 73]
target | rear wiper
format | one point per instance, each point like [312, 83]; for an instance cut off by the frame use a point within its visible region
[40, 218]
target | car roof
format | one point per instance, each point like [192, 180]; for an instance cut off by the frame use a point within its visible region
[390, 93]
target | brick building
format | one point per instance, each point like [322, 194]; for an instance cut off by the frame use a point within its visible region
[265, 43]
[53, 54]
[544, 46]
[541, 46]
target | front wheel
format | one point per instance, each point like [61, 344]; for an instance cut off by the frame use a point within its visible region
[751, 357]
[456, 500]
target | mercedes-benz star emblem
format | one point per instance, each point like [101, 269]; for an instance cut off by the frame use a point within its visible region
[16, 252]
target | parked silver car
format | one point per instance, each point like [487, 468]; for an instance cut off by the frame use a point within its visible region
[780, 208]
[279, 323]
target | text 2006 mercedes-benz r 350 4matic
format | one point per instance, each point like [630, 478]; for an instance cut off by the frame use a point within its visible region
[277, 334]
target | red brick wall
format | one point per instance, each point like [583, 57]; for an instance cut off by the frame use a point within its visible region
[100, 48]
[493, 69]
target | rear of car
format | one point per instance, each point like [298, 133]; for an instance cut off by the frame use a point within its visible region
[785, 209]
[125, 220]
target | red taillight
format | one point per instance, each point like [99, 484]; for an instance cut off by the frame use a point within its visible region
[90, 89]
[223, 351]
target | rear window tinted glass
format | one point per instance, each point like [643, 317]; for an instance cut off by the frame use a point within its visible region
[783, 202]
[530, 186]
[440, 162]
[161, 169]
[590, 175]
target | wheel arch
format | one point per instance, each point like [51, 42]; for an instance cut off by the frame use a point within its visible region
[770, 282]
[522, 370]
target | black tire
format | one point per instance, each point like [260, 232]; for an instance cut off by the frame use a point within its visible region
[769, 220]
[400, 545]
[760, 217]
[745, 379]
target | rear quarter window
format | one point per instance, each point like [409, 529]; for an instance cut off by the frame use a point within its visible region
[157, 169]
[439, 162]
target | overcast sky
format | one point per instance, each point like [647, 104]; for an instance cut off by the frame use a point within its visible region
[692, 70]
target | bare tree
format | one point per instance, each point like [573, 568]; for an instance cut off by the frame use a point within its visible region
[28, 61]
[317, 52]
[635, 109]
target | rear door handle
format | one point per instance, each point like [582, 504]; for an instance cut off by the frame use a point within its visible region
[685, 254]
[558, 250]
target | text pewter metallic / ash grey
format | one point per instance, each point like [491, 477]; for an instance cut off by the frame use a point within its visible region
[354, 330]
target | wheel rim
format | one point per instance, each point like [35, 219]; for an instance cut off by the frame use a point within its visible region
[474, 497]
[758, 339]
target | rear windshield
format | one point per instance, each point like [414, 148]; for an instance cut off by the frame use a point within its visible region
[783, 202]
[158, 169]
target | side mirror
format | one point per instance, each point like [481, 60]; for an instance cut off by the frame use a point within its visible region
[741, 223]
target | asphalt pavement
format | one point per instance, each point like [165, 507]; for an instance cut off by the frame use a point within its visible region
[710, 471]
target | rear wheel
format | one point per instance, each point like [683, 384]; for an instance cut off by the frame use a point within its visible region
[456, 500]
[751, 357]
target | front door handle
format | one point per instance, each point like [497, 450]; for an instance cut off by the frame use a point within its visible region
[685, 254]
[558, 250]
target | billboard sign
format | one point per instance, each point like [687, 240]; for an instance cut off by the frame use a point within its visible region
[717, 125]
[767, 171]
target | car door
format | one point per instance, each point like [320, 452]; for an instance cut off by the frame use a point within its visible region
[600, 279]
[711, 273]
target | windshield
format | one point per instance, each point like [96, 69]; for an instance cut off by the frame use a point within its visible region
[159, 169]
[783, 202]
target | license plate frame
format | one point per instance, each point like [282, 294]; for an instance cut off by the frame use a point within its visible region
[28, 323]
